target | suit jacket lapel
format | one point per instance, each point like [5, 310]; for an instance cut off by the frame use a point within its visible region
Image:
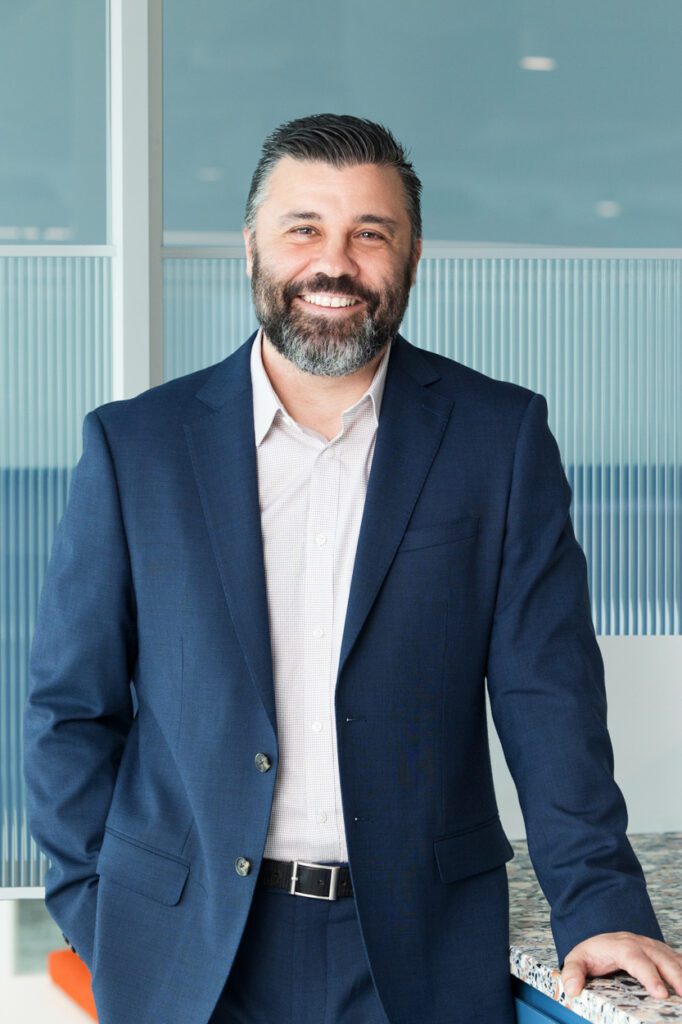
[223, 452]
[411, 424]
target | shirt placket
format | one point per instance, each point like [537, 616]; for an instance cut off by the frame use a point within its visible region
[321, 527]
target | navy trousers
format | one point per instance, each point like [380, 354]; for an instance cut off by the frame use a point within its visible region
[300, 961]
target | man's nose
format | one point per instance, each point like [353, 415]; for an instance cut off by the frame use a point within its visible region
[335, 258]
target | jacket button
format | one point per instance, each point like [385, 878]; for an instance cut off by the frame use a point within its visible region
[263, 763]
[242, 866]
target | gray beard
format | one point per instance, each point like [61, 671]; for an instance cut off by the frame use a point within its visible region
[327, 357]
[319, 346]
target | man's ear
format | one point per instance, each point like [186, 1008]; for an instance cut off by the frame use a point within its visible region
[416, 256]
[249, 253]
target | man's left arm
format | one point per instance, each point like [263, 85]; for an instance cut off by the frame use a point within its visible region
[546, 684]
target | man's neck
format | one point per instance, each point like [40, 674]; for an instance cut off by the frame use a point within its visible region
[312, 400]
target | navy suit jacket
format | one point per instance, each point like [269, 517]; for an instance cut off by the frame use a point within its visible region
[467, 569]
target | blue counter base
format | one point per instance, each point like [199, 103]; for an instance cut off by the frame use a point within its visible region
[533, 1007]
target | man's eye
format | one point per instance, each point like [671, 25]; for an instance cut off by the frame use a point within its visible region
[302, 231]
[370, 234]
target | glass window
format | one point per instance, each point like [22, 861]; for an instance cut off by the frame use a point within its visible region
[53, 121]
[536, 122]
[55, 332]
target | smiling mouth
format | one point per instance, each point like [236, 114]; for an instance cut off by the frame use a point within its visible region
[328, 301]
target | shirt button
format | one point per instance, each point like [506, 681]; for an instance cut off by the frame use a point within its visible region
[321, 539]
[318, 632]
[317, 726]
[321, 816]
[242, 866]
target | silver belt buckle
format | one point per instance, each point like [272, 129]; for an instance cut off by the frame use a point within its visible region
[333, 881]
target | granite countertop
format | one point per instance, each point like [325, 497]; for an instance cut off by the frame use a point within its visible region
[618, 999]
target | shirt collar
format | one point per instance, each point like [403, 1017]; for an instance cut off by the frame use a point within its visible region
[266, 402]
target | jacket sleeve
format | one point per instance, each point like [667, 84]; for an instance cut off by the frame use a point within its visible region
[79, 708]
[546, 684]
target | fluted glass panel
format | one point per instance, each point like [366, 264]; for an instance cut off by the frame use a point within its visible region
[55, 359]
[207, 312]
[600, 338]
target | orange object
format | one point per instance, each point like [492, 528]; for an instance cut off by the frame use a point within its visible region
[69, 972]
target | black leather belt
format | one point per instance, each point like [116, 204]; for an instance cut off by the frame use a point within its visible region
[304, 878]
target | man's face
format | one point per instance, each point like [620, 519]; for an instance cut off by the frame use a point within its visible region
[331, 263]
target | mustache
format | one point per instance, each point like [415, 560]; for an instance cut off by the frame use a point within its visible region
[323, 283]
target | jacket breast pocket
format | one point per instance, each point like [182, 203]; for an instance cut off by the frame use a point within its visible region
[472, 852]
[145, 871]
[439, 533]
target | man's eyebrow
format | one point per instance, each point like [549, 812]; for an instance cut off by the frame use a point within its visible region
[299, 215]
[374, 218]
[364, 218]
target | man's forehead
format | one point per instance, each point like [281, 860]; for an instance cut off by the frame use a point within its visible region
[291, 179]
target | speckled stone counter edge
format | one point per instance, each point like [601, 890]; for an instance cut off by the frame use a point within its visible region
[617, 999]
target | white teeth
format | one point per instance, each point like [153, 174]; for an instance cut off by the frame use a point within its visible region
[329, 300]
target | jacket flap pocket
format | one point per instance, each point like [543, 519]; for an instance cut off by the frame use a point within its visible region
[438, 533]
[145, 871]
[470, 853]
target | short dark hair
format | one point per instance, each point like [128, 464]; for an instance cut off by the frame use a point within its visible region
[342, 141]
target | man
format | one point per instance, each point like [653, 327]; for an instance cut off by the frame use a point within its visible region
[307, 559]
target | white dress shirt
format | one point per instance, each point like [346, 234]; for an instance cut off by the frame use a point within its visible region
[312, 495]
